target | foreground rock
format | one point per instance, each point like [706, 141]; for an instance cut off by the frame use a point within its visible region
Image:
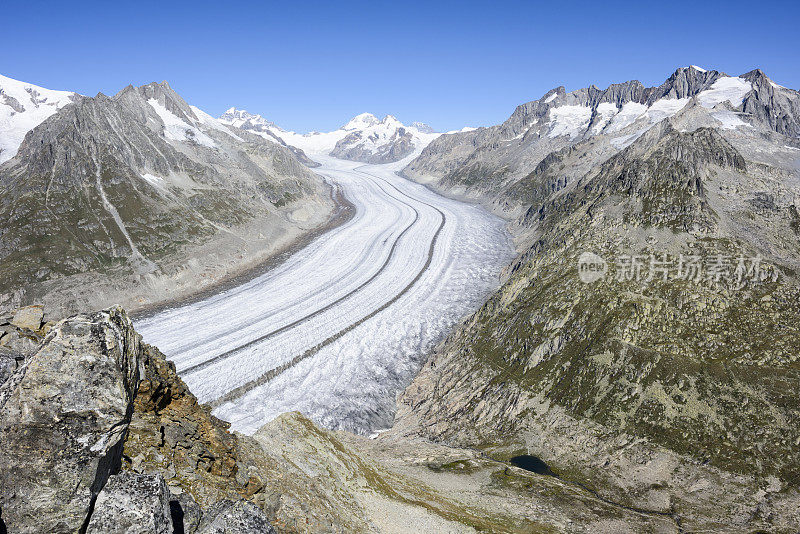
[66, 403]
[131, 503]
[235, 517]
[173, 434]
[63, 416]
[30, 317]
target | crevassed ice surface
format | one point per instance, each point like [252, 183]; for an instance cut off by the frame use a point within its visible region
[341, 327]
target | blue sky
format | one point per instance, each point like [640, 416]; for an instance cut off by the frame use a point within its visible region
[313, 65]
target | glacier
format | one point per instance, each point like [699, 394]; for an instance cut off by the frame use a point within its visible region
[342, 326]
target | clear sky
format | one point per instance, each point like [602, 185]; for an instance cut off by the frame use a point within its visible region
[313, 65]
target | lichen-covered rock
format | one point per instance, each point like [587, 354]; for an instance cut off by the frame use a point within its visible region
[172, 434]
[132, 503]
[63, 417]
[30, 317]
[235, 517]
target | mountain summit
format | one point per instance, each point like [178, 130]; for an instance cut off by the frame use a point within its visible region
[605, 121]
[363, 138]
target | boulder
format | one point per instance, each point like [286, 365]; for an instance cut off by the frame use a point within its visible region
[132, 503]
[30, 317]
[235, 517]
[186, 514]
[63, 416]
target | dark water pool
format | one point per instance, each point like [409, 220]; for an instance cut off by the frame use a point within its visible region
[533, 464]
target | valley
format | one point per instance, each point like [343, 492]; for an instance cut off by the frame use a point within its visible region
[338, 329]
[381, 328]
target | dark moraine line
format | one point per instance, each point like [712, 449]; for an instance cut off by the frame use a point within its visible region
[272, 373]
[345, 211]
[231, 352]
[238, 290]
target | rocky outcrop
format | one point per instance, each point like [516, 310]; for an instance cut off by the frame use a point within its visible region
[75, 399]
[772, 104]
[63, 417]
[131, 503]
[173, 434]
[234, 517]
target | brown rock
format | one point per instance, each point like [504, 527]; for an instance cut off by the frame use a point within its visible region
[30, 317]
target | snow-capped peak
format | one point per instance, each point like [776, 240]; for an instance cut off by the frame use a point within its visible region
[695, 67]
[364, 120]
[364, 137]
[240, 117]
[392, 122]
[23, 106]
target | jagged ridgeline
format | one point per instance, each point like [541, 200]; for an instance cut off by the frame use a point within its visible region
[143, 196]
[665, 377]
[364, 138]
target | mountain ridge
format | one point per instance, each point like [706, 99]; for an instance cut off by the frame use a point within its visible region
[363, 138]
[135, 184]
[479, 164]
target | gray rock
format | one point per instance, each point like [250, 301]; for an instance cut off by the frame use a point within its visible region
[30, 317]
[63, 416]
[186, 514]
[234, 517]
[132, 503]
[10, 360]
[21, 341]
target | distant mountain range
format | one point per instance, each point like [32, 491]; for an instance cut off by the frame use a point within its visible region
[364, 138]
[604, 121]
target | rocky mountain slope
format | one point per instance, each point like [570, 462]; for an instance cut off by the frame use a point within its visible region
[643, 345]
[364, 138]
[99, 434]
[487, 162]
[144, 197]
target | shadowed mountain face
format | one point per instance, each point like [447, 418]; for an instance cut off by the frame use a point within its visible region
[129, 187]
[644, 342]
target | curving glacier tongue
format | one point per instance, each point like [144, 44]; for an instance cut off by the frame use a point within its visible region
[342, 326]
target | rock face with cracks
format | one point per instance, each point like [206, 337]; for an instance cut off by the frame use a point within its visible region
[131, 503]
[68, 394]
[63, 417]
